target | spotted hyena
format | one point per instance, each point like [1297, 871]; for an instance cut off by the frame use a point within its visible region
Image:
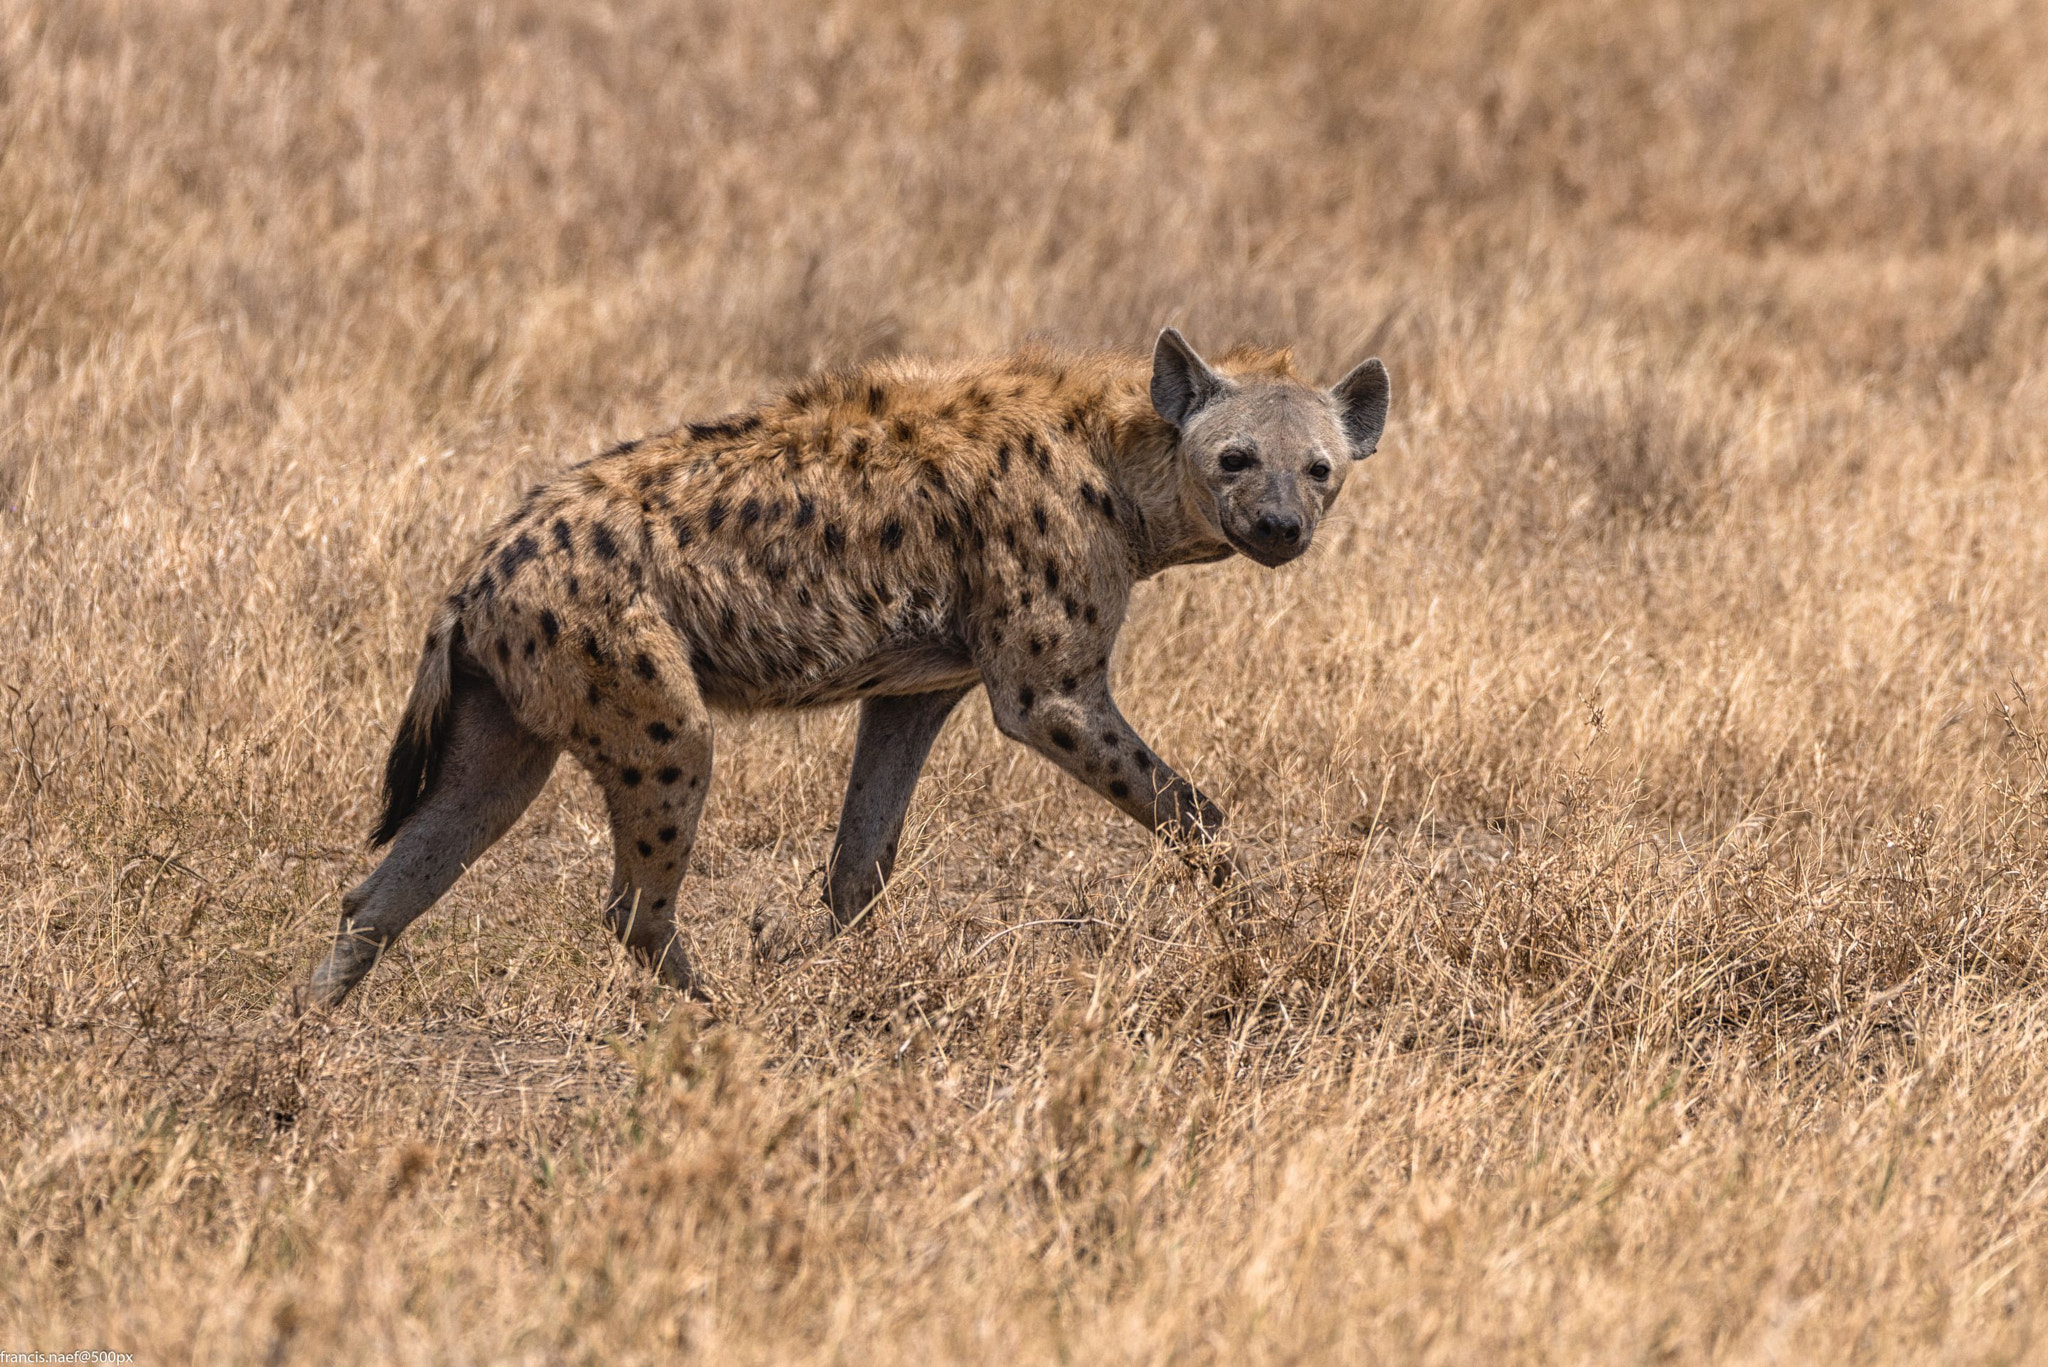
[899, 533]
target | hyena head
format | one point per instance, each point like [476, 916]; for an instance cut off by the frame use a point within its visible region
[1264, 455]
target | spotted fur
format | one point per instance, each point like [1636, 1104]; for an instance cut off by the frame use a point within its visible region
[897, 533]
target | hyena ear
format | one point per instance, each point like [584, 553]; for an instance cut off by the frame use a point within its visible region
[1362, 398]
[1181, 381]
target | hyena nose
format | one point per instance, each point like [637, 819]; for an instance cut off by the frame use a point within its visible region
[1277, 532]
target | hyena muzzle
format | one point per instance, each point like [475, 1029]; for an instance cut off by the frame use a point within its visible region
[897, 533]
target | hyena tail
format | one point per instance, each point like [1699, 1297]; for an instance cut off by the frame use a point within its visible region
[422, 741]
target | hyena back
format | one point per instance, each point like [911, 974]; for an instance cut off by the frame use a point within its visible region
[897, 533]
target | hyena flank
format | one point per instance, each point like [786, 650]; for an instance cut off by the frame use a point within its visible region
[898, 533]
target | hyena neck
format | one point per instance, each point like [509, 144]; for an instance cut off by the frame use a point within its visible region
[1168, 525]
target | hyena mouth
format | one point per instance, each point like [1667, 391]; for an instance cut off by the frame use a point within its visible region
[1272, 557]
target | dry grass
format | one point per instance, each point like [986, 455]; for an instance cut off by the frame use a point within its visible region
[1653, 753]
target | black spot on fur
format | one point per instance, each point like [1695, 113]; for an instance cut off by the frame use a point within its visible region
[681, 527]
[504, 652]
[1038, 645]
[1061, 737]
[1069, 684]
[1070, 607]
[806, 510]
[624, 448]
[522, 549]
[835, 540]
[892, 535]
[592, 649]
[1025, 697]
[737, 425]
[1037, 450]
[875, 682]
[630, 777]
[878, 400]
[660, 902]
[670, 774]
[565, 538]
[644, 848]
[485, 588]
[575, 586]
[531, 645]
[1026, 598]
[1111, 739]
[1003, 459]
[1120, 789]
[550, 625]
[750, 512]
[667, 834]
[592, 695]
[901, 431]
[714, 516]
[1052, 577]
[1038, 516]
[601, 542]
[1089, 614]
[659, 733]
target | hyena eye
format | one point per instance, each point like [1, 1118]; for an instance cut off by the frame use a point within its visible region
[1236, 459]
[1320, 470]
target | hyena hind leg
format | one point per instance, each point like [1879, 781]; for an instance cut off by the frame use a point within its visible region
[647, 742]
[491, 772]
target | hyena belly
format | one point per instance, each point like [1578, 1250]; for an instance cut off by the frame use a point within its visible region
[793, 609]
[821, 642]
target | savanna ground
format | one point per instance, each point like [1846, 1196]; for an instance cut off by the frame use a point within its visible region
[1649, 765]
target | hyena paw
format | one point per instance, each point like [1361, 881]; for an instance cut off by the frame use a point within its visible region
[1241, 878]
[788, 934]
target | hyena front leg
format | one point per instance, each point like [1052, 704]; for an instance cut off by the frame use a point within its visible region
[889, 752]
[894, 740]
[1071, 719]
